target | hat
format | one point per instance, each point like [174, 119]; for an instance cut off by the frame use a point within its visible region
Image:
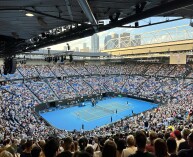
[177, 133]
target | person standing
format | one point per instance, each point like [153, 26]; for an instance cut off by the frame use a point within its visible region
[141, 140]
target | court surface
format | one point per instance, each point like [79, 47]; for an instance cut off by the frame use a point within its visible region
[92, 117]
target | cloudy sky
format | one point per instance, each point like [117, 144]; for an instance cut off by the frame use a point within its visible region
[134, 31]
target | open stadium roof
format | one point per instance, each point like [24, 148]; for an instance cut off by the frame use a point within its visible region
[30, 25]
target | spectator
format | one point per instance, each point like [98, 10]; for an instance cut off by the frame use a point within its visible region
[121, 144]
[27, 150]
[109, 149]
[160, 148]
[184, 145]
[187, 152]
[5, 154]
[51, 148]
[35, 152]
[83, 143]
[150, 147]
[141, 143]
[131, 149]
[67, 143]
[90, 150]
[179, 138]
[172, 147]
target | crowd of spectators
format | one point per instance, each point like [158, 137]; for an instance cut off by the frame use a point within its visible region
[81, 70]
[62, 89]
[97, 84]
[152, 69]
[82, 88]
[179, 71]
[162, 132]
[92, 69]
[165, 70]
[42, 90]
[15, 76]
[32, 71]
[28, 71]
[58, 71]
[44, 71]
[69, 70]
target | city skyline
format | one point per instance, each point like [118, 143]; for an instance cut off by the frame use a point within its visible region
[95, 43]
[132, 31]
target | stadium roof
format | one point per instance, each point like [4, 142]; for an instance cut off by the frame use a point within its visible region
[30, 25]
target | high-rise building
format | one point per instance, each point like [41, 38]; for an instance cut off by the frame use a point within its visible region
[65, 48]
[84, 45]
[111, 41]
[95, 43]
[136, 41]
[125, 40]
[106, 42]
[114, 36]
[85, 48]
[77, 49]
[114, 41]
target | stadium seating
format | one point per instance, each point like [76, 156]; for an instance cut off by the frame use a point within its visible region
[32, 85]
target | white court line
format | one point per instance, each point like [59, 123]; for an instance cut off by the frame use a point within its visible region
[88, 111]
[96, 115]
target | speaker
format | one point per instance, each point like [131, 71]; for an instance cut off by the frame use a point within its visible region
[9, 66]
[136, 24]
[13, 66]
[52, 104]
[71, 58]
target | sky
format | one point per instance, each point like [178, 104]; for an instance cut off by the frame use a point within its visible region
[87, 40]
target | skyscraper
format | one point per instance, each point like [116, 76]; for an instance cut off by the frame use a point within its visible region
[115, 41]
[77, 49]
[95, 43]
[124, 40]
[85, 48]
[106, 42]
[84, 45]
[138, 40]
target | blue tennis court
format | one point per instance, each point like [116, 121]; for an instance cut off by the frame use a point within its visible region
[92, 117]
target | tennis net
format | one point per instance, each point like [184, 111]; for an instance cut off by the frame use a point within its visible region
[104, 109]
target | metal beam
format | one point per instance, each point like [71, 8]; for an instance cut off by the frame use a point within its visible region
[151, 24]
[162, 9]
[88, 12]
[88, 31]
[68, 5]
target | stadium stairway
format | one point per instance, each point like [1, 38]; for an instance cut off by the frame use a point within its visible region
[75, 70]
[140, 85]
[145, 69]
[98, 70]
[188, 71]
[158, 70]
[39, 101]
[93, 91]
[63, 70]
[20, 73]
[172, 70]
[73, 88]
[37, 71]
[87, 71]
[122, 88]
[47, 82]
[131, 71]
[52, 72]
